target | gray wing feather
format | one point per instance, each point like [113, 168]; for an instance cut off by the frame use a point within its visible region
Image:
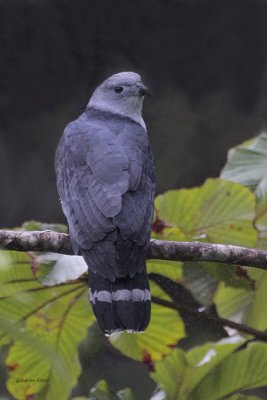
[106, 184]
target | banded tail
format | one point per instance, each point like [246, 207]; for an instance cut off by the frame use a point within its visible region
[121, 305]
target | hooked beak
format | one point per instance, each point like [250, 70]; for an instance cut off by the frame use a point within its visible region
[143, 90]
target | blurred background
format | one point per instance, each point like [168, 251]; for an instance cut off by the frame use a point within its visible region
[205, 62]
[206, 65]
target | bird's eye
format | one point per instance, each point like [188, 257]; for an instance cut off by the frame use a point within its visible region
[118, 89]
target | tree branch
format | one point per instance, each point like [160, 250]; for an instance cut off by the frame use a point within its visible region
[159, 249]
[222, 321]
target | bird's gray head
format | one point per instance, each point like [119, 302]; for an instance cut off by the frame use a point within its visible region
[122, 94]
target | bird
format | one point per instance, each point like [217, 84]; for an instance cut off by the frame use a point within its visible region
[105, 177]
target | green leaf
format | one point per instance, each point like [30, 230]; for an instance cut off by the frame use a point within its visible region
[202, 279]
[79, 398]
[261, 225]
[242, 305]
[231, 302]
[162, 231]
[179, 373]
[257, 316]
[220, 211]
[41, 226]
[247, 164]
[234, 276]
[213, 371]
[56, 318]
[22, 295]
[200, 282]
[242, 397]
[101, 391]
[166, 328]
[170, 269]
[240, 371]
[202, 360]
[169, 373]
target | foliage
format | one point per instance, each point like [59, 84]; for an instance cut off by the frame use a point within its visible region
[102, 392]
[45, 313]
[56, 318]
[212, 371]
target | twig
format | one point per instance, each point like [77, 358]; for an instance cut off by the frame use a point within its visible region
[222, 321]
[159, 249]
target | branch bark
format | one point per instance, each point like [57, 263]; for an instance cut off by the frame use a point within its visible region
[159, 249]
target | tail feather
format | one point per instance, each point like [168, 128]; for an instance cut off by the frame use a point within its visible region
[121, 305]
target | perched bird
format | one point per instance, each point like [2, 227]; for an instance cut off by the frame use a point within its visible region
[106, 183]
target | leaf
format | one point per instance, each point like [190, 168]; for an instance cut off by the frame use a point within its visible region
[200, 282]
[22, 295]
[170, 269]
[101, 391]
[202, 278]
[40, 226]
[247, 164]
[242, 397]
[159, 395]
[220, 211]
[162, 231]
[213, 371]
[242, 370]
[79, 398]
[202, 360]
[261, 225]
[179, 373]
[65, 268]
[257, 316]
[232, 303]
[165, 329]
[234, 276]
[56, 318]
[169, 373]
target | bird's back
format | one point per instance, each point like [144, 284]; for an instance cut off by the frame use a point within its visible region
[106, 182]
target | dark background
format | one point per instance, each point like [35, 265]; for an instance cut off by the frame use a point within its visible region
[205, 62]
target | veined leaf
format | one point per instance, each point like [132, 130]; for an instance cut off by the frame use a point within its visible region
[243, 397]
[242, 370]
[170, 269]
[220, 211]
[247, 164]
[40, 226]
[179, 373]
[232, 302]
[56, 318]
[261, 225]
[202, 360]
[169, 373]
[256, 316]
[200, 282]
[213, 371]
[101, 391]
